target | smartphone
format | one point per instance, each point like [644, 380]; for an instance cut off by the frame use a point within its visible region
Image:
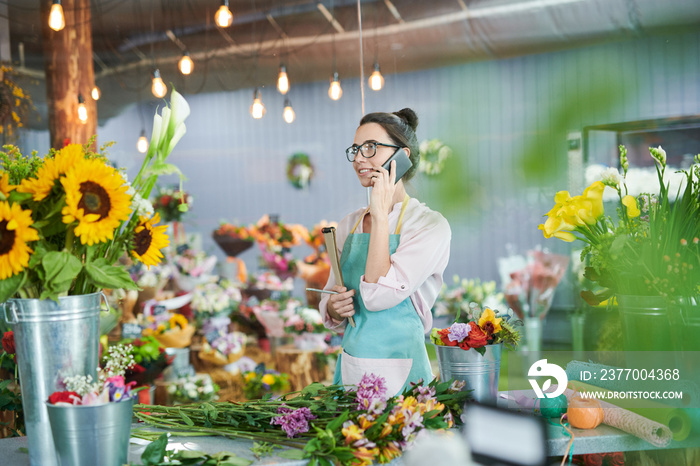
[403, 163]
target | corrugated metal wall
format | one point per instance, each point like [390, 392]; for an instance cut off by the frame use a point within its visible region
[494, 114]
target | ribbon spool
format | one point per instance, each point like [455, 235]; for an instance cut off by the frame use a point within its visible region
[553, 407]
[584, 413]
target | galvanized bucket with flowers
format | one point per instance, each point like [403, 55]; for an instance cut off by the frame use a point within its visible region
[65, 221]
[470, 350]
[647, 259]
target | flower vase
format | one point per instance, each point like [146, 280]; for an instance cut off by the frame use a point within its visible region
[53, 340]
[578, 322]
[479, 372]
[92, 435]
[684, 318]
[645, 324]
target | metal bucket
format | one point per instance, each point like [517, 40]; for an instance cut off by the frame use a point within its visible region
[180, 367]
[53, 340]
[92, 435]
[479, 372]
[645, 325]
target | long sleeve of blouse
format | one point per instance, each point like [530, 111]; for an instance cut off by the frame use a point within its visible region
[416, 268]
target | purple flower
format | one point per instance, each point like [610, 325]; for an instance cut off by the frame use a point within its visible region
[293, 422]
[370, 387]
[458, 332]
[425, 394]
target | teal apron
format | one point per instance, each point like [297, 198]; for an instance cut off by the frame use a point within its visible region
[389, 343]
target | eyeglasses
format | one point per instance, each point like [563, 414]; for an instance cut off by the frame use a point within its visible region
[367, 149]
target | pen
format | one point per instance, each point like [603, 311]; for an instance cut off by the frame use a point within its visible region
[321, 291]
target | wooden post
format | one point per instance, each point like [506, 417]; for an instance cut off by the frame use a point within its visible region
[69, 73]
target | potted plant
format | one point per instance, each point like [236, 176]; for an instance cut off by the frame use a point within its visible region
[470, 350]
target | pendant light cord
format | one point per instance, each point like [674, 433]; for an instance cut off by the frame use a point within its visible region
[362, 70]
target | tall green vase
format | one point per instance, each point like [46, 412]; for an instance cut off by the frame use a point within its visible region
[645, 323]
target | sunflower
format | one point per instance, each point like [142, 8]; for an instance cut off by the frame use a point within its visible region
[15, 232]
[5, 186]
[149, 240]
[51, 170]
[96, 198]
[489, 323]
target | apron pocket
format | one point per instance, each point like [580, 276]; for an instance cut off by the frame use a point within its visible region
[394, 371]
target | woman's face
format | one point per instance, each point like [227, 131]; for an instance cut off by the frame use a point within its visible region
[365, 167]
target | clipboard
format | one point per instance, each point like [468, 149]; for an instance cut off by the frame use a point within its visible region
[332, 250]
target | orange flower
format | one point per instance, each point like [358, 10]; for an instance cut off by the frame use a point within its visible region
[364, 456]
[389, 452]
[352, 433]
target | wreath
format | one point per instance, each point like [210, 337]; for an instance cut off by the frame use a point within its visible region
[299, 170]
[433, 154]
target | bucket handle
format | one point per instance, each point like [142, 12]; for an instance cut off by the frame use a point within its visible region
[11, 306]
[104, 297]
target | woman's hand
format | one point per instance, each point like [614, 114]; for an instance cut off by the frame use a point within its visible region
[383, 184]
[340, 305]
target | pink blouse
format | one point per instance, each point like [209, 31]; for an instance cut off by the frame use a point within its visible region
[416, 268]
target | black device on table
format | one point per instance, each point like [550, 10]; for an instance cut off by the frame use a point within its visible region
[524, 436]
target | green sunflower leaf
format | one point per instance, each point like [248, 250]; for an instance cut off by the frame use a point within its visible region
[10, 285]
[105, 275]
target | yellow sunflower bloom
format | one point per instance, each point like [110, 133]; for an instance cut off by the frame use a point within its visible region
[15, 232]
[178, 320]
[5, 186]
[96, 198]
[51, 170]
[489, 323]
[149, 240]
[268, 379]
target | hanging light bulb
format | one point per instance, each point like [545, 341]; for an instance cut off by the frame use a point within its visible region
[283, 80]
[186, 64]
[56, 19]
[223, 16]
[257, 110]
[158, 88]
[376, 80]
[335, 92]
[82, 110]
[96, 93]
[142, 144]
[288, 112]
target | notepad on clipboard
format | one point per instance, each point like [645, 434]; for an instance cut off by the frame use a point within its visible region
[332, 250]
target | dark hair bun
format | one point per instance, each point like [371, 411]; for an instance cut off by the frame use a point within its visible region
[408, 116]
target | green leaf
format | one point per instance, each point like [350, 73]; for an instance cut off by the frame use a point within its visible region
[104, 275]
[313, 389]
[186, 418]
[617, 245]
[291, 454]
[155, 451]
[10, 285]
[189, 454]
[61, 268]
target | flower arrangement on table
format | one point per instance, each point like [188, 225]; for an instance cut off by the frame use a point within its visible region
[110, 385]
[192, 268]
[465, 294]
[66, 219]
[476, 330]
[300, 170]
[216, 299]
[270, 282]
[433, 154]
[263, 382]
[224, 349]
[150, 360]
[316, 267]
[193, 389]
[651, 249]
[327, 424]
[172, 330]
[234, 239]
[172, 203]
[15, 105]
[275, 239]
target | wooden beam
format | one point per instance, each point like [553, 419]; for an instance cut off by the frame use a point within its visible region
[69, 73]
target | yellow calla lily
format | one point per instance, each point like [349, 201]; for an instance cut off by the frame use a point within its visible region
[594, 193]
[632, 208]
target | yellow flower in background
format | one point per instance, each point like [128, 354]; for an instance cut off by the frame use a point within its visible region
[249, 376]
[632, 208]
[15, 232]
[352, 433]
[5, 186]
[594, 194]
[268, 379]
[557, 227]
[489, 323]
[51, 170]
[178, 320]
[96, 198]
[149, 240]
[364, 422]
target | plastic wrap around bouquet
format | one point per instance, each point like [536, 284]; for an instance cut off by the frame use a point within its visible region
[224, 350]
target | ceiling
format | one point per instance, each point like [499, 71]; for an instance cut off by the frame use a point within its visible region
[132, 37]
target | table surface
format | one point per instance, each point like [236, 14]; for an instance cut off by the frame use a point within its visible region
[602, 439]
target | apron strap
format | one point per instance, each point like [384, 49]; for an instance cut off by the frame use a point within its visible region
[398, 224]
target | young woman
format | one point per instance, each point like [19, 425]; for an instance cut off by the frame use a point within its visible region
[393, 255]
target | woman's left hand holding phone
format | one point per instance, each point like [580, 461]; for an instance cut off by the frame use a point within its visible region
[340, 306]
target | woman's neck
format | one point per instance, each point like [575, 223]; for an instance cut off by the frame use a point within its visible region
[399, 195]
